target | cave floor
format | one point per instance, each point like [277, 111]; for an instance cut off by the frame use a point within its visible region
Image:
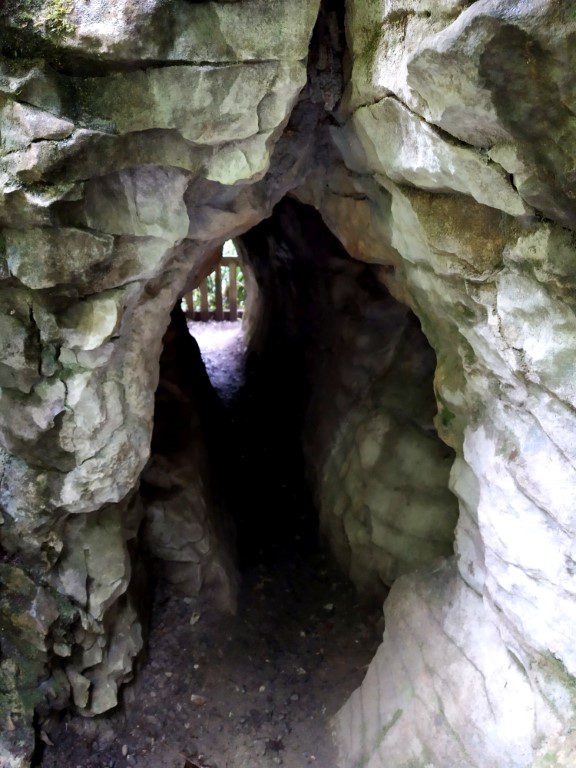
[253, 690]
[223, 347]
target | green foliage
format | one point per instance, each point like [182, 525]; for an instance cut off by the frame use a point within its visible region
[56, 17]
[53, 15]
[446, 416]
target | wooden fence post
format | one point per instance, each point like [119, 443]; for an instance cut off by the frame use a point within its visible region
[189, 299]
[219, 302]
[233, 283]
[204, 305]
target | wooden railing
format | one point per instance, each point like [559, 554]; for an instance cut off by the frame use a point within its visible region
[225, 305]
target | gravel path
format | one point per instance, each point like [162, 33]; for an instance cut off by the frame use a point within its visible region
[223, 349]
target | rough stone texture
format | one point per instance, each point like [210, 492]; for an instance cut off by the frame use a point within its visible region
[493, 287]
[115, 188]
[149, 30]
[452, 167]
[27, 614]
[382, 472]
[496, 76]
[403, 147]
[444, 670]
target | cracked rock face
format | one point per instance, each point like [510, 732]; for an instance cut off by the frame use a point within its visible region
[135, 137]
[122, 135]
[437, 103]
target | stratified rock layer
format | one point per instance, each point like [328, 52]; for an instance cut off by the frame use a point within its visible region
[122, 134]
[456, 180]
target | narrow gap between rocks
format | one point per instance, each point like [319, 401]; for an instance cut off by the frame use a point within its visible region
[247, 429]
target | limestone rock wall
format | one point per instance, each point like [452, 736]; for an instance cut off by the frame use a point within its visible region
[451, 173]
[124, 128]
[134, 138]
[445, 690]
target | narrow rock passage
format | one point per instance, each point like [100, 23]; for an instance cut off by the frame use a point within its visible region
[253, 690]
[223, 349]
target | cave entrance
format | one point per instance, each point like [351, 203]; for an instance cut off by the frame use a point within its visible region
[339, 406]
[296, 499]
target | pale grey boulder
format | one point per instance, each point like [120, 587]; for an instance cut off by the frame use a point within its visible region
[40, 258]
[220, 106]
[406, 149]
[20, 124]
[445, 690]
[126, 203]
[493, 75]
[488, 290]
[383, 38]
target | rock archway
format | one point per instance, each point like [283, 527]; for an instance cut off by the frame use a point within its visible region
[435, 141]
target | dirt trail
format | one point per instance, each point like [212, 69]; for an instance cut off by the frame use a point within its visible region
[223, 348]
[255, 690]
